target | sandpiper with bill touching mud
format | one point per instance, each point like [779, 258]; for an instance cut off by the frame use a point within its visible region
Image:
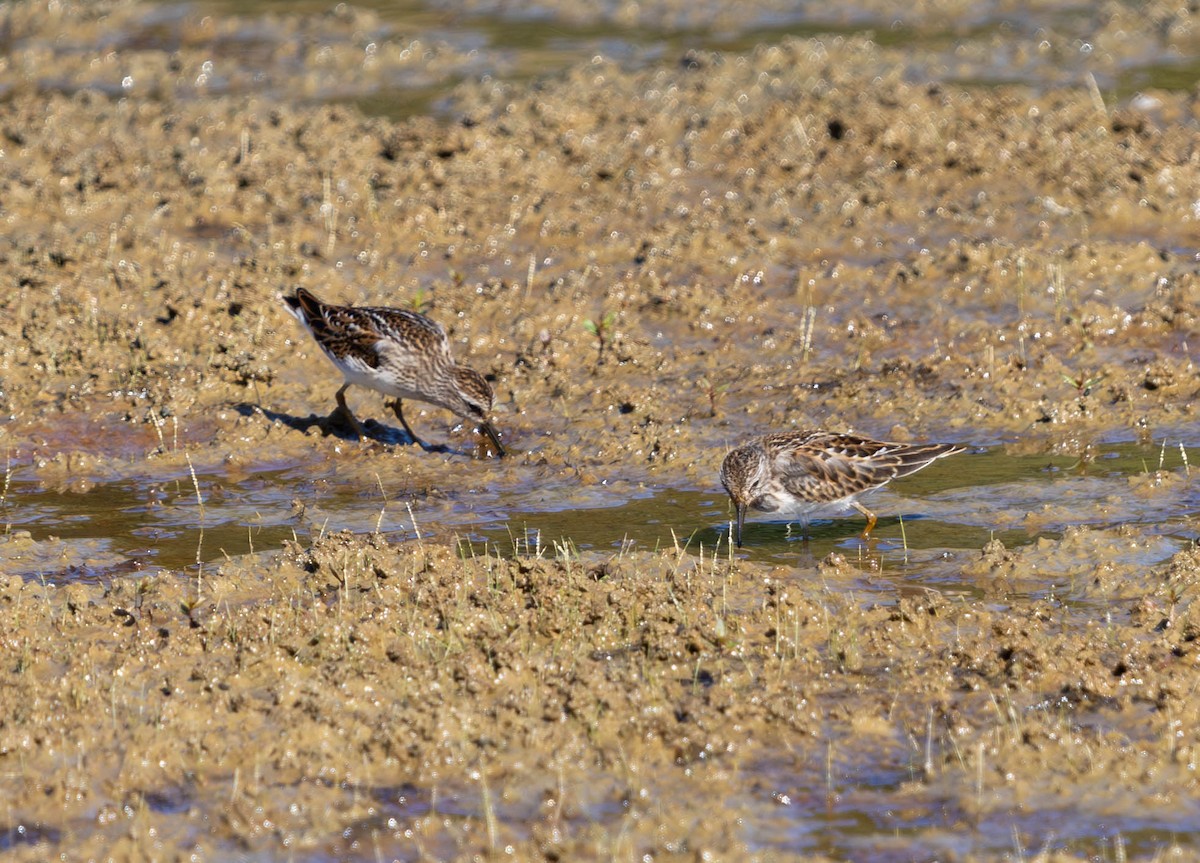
[799, 474]
[399, 353]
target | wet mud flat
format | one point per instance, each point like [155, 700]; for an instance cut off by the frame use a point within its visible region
[649, 265]
[361, 697]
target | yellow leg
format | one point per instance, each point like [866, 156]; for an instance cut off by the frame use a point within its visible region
[868, 515]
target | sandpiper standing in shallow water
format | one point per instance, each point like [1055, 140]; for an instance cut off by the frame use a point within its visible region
[399, 353]
[799, 474]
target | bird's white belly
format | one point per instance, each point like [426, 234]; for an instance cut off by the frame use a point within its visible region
[383, 383]
[382, 379]
[785, 506]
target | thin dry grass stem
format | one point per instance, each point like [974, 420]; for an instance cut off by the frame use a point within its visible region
[195, 485]
[800, 132]
[794, 653]
[979, 755]
[382, 509]
[1162, 454]
[1058, 287]
[513, 542]
[1017, 846]
[156, 421]
[111, 256]
[200, 539]
[45, 595]
[412, 516]
[891, 711]
[489, 813]
[8, 473]
[112, 703]
[1007, 719]
[522, 542]
[1022, 286]
[679, 550]
[829, 789]
[720, 629]
[806, 332]
[565, 551]
[904, 538]
[803, 290]
[1119, 849]
[329, 213]
[584, 276]
[344, 580]
[927, 765]
[556, 818]
[1097, 96]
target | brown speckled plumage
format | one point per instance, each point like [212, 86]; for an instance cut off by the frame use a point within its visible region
[798, 474]
[396, 352]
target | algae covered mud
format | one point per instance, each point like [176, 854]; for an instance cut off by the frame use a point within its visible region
[657, 231]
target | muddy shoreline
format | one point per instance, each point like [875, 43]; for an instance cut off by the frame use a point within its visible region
[650, 262]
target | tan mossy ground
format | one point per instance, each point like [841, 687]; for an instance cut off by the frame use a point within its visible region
[733, 250]
[588, 706]
[796, 235]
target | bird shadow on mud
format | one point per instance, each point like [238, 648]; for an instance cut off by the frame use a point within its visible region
[376, 431]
